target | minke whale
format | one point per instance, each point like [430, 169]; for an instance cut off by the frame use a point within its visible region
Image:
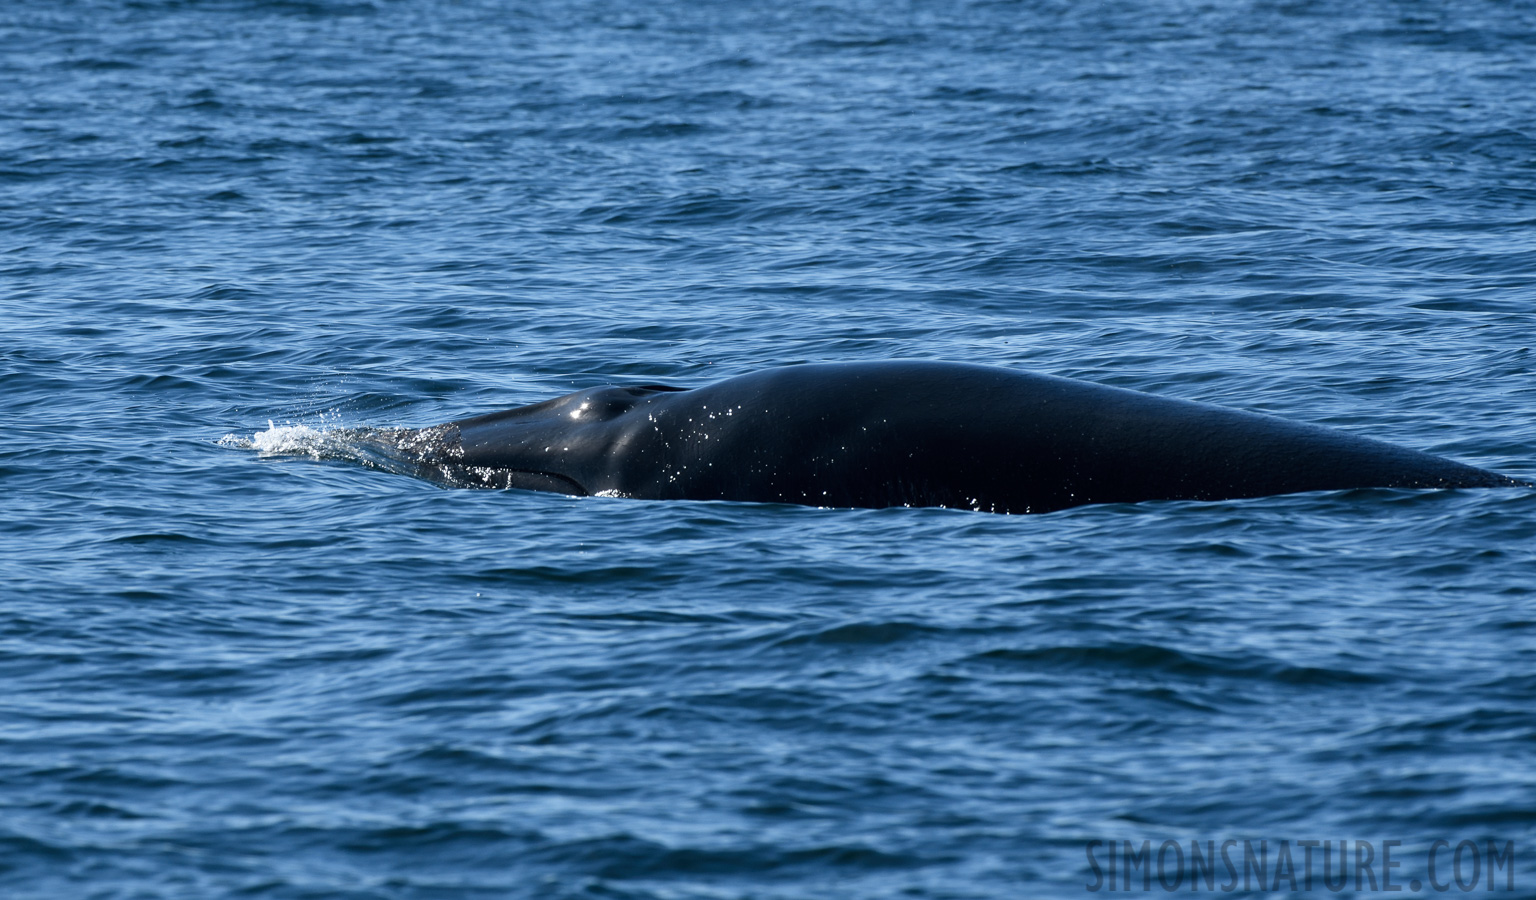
[880, 434]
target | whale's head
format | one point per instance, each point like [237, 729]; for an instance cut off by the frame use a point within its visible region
[558, 445]
[600, 404]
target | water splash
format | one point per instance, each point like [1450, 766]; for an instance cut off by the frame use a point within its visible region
[289, 440]
[404, 451]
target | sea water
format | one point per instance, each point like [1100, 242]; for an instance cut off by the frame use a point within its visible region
[231, 230]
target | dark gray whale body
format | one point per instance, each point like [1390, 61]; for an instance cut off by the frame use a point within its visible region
[910, 434]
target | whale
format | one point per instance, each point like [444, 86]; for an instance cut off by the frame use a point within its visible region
[908, 433]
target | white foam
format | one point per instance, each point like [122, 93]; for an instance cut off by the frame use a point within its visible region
[284, 439]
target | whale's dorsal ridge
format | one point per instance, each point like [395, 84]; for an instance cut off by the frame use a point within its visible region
[916, 433]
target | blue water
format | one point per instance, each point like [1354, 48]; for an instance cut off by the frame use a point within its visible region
[234, 673]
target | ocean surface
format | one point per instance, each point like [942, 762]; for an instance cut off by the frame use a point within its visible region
[235, 667]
